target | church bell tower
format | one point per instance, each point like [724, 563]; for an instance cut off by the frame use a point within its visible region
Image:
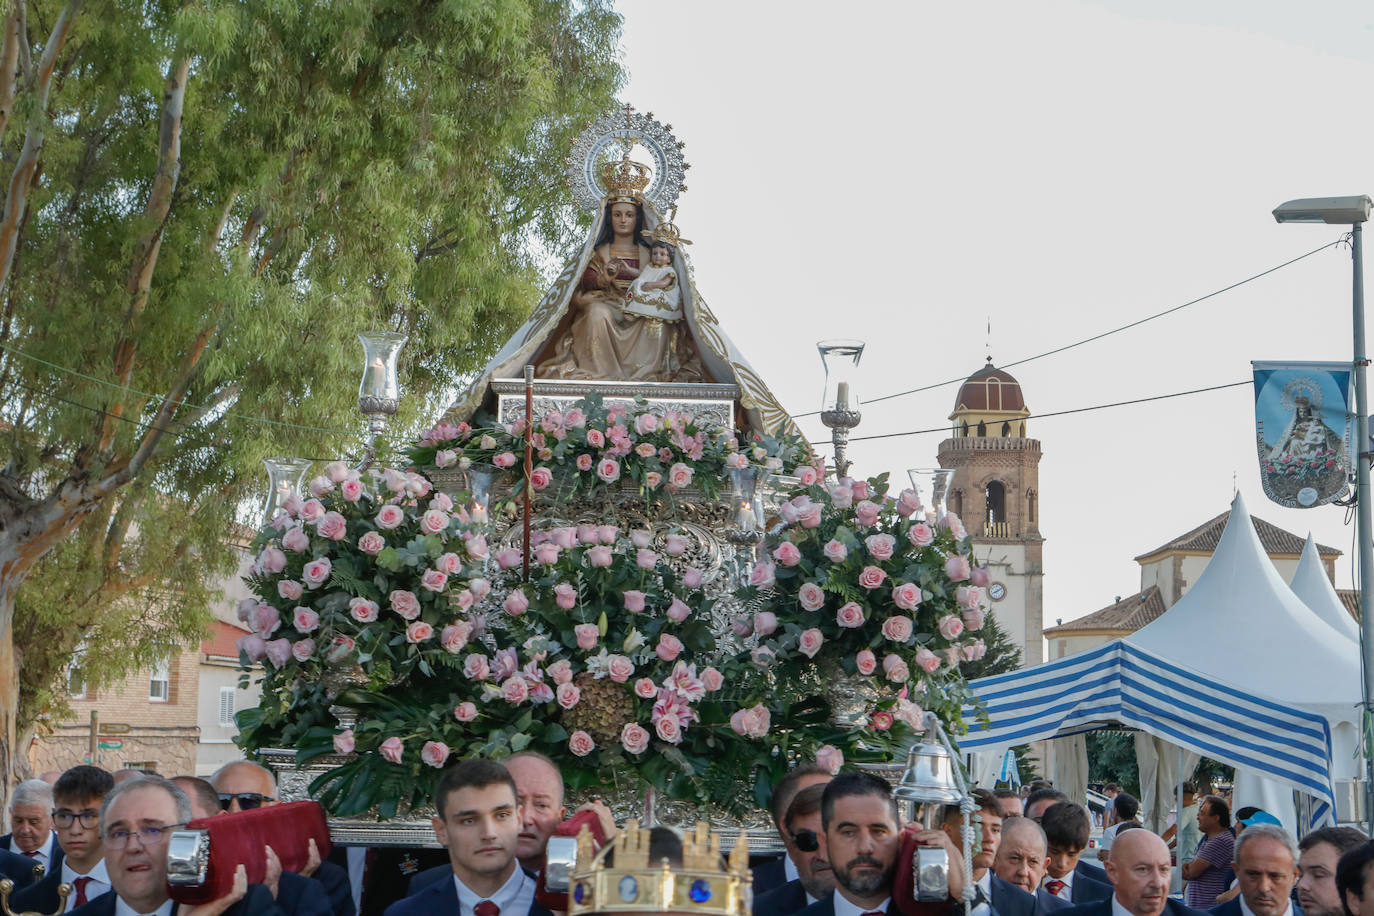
[996, 493]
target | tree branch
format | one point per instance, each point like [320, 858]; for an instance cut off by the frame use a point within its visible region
[9, 63]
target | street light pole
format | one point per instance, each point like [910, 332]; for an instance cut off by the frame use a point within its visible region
[1354, 211]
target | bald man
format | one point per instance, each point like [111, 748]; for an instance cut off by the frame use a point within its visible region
[1139, 869]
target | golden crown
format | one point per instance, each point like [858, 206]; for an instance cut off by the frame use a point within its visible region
[666, 231]
[625, 179]
[632, 884]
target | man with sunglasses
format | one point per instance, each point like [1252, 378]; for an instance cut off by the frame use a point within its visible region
[137, 819]
[775, 872]
[806, 848]
[243, 786]
[76, 816]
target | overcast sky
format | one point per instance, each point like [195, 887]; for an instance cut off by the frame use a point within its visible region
[905, 172]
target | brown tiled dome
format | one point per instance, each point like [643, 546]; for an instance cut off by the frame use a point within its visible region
[990, 389]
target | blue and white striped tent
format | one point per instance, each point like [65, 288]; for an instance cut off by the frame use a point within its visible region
[1119, 684]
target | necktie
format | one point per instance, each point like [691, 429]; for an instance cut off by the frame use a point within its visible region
[32, 855]
[81, 890]
[486, 908]
[1054, 886]
[875, 913]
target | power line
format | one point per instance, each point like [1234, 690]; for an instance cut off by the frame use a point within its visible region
[1096, 337]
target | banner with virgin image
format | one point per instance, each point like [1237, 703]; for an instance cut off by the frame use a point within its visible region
[1303, 428]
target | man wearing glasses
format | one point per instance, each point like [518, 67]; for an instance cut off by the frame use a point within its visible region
[137, 818]
[243, 786]
[805, 840]
[76, 816]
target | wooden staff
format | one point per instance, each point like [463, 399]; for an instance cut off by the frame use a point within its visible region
[529, 461]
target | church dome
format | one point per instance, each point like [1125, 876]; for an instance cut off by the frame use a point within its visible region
[990, 390]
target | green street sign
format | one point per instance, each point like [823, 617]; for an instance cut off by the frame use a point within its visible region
[109, 745]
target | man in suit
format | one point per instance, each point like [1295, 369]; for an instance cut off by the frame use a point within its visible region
[1318, 853]
[1005, 898]
[296, 895]
[1040, 801]
[17, 868]
[1019, 865]
[77, 797]
[244, 784]
[1067, 829]
[778, 870]
[137, 818]
[1140, 869]
[805, 838]
[1266, 868]
[862, 841]
[479, 823]
[31, 820]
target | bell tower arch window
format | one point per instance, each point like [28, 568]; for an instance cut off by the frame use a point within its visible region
[996, 500]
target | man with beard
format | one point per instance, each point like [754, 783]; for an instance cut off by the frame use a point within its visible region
[862, 841]
[1140, 869]
[805, 838]
[1319, 851]
[1266, 867]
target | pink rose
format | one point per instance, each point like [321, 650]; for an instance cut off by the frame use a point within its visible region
[880, 546]
[253, 646]
[279, 651]
[619, 668]
[680, 476]
[371, 543]
[692, 577]
[810, 642]
[646, 423]
[968, 596]
[634, 601]
[433, 521]
[316, 572]
[898, 629]
[362, 610]
[956, 568]
[865, 661]
[907, 503]
[608, 469]
[455, 636]
[787, 554]
[332, 526]
[973, 618]
[669, 647]
[742, 626]
[584, 462]
[565, 537]
[881, 720]
[392, 749]
[296, 540]
[675, 545]
[678, 611]
[834, 551]
[588, 634]
[753, 722]
[390, 516]
[433, 580]
[302, 649]
[842, 497]
[586, 534]
[811, 596]
[830, 758]
[266, 620]
[762, 656]
[980, 576]
[514, 690]
[351, 490]
[607, 534]
[405, 603]
[646, 558]
[645, 688]
[509, 558]
[600, 556]
[669, 729]
[897, 672]
[445, 457]
[504, 460]
[867, 513]
[465, 712]
[476, 667]
[872, 577]
[290, 589]
[596, 438]
[540, 478]
[568, 695]
[850, 616]
[477, 548]
[343, 742]
[927, 660]
[634, 738]
[810, 517]
[859, 488]
[305, 620]
[418, 632]
[565, 596]
[434, 753]
[560, 672]
[712, 680]
[907, 596]
[951, 627]
[271, 560]
[312, 510]
[806, 476]
[764, 575]
[645, 450]
[975, 650]
[516, 603]
[920, 535]
[574, 419]
[765, 623]
[581, 743]
[321, 486]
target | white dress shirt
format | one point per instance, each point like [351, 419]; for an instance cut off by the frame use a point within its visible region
[514, 897]
[42, 855]
[843, 906]
[1065, 892]
[1119, 910]
[1246, 911]
[99, 883]
[984, 884]
[789, 869]
[123, 909]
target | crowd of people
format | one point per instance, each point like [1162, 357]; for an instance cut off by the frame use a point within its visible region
[105, 836]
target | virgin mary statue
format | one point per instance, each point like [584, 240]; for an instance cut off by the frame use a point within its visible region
[586, 327]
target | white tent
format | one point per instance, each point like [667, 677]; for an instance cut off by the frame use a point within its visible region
[1239, 669]
[1312, 586]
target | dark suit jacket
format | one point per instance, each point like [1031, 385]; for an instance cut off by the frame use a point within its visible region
[257, 902]
[1010, 900]
[1087, 890]
[1172, 907]
[336, 887]
[1229, 908]
[298, 895]
[1092, 872]
[1045, 902]
[17, 868]
[441, 897]
[41, 897]
[780, 901]
[768, 874]
[826, 907]
[423, 879]
[54, 865]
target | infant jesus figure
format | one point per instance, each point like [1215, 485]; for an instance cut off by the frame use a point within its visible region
[655, 293]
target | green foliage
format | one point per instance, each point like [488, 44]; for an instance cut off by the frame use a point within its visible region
[1111, 758]
[343, 167]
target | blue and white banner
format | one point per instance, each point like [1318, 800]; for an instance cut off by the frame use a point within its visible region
[1303, 428]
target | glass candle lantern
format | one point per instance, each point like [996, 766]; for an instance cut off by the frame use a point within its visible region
[379, 391]
[285, 477]
[841, 360]
[932, 486]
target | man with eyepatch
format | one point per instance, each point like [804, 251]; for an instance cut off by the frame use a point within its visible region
[243, 786]
[805, 840]
[77, 796]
